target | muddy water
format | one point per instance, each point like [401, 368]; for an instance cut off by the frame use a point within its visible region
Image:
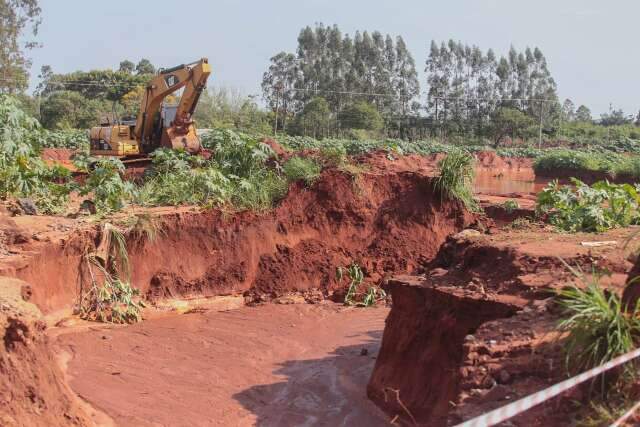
[274, 365]
[508, 181]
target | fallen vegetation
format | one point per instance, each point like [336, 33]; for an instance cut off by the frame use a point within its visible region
[110, 296]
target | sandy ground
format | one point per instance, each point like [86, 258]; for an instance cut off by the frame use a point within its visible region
[271, 365]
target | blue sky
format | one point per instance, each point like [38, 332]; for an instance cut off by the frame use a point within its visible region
[591, 46]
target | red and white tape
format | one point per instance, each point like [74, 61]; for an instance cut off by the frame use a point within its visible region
[626, 415]
[504, 413]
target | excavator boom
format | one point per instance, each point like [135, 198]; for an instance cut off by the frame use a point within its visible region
[181, 132]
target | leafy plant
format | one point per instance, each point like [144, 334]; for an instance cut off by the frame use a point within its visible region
[594, 209]
[455, 179]
[510, 206]
[22, 172]
[237, 154]
[333, 153]
[104, 181]
[373, 295]
[356, 277]
[178, 178]
[260, 191]
[301, 168]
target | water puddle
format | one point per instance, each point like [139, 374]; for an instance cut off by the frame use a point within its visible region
[508, 181]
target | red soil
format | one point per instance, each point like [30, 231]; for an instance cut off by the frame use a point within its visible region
[478, 329]
[33, 390]
[269, 366]
[388, 219]
[58, 154]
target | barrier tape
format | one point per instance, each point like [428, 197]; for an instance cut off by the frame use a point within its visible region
[626, 415]
[508, 411]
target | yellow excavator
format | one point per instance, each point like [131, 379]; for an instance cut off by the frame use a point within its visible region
[156, 125]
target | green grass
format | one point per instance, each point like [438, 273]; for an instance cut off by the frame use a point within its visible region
[301, 168]
[455, 178]
[599, 328]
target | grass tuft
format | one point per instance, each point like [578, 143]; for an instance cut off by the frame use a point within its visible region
[301, 168]
[455, 178]
[599, 328]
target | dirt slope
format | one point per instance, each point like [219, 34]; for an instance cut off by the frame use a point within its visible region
[387, 219]
[33, 391]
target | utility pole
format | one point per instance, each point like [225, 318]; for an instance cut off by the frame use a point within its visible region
[275, 124]
[540, 131]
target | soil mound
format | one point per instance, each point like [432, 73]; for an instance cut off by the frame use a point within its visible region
[491, 160]
[32, 387]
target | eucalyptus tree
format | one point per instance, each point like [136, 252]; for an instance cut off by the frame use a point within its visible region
[19, 22]
[280, 84]
[583, 114]
[370, 67]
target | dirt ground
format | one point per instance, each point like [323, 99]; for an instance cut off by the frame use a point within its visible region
[271, 365]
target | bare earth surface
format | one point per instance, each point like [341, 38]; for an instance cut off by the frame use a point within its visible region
[271, 365]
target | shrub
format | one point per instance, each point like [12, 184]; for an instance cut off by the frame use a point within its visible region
[592, 209]
[72, 139]
[104, 181]
[333, 153]
[510, 206]
[236, 153]
[300, 168]
[259, 191]
[455, 178]
[569, 160]
[22, 172]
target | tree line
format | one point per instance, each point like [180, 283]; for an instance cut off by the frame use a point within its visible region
[335, 83]
[331, 72]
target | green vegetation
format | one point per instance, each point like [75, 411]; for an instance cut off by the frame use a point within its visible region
[510, 206]
[22, 172]
[354, 298]
[579, 207]
[455, 178]
[571, 162]
[300, 168]
[598, 329]
[510, 122]
[104, 182]
[110, 296]
[598, 326]
[604, 163]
